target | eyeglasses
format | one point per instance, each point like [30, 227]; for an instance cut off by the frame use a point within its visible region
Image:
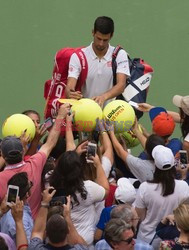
[129, 240]
[29, 187]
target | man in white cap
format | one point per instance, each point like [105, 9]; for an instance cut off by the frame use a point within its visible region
[125, 194]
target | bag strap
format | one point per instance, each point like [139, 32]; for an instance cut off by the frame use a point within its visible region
[84, 68]
[114, 64]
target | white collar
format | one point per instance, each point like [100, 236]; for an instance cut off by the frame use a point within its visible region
[94, 56]
[17, 165]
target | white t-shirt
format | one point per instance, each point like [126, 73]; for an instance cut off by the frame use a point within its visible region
[149, 197]
[107, 165]
[143, 170]
[100, 76]
[84, 214]
[187, 138]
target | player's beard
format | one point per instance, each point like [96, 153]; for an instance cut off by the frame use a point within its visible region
[99, 48]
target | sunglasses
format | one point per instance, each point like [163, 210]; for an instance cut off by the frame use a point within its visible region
[28, 189]
[129, 240]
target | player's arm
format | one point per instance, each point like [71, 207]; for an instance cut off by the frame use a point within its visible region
[114, 91]
[70, 89]
[73, 74]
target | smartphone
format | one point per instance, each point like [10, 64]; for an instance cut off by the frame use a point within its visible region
[134, 104]
[58, 201]
[91, 151]
[12, 194]
[183, 156]
[48, 123]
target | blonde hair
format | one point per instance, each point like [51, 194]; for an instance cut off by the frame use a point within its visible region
[181, 214]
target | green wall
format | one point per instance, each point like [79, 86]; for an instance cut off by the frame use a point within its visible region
[31, 31]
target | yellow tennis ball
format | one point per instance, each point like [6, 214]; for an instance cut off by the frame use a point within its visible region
[130, 138]
[86, 113]
[18, 123]
[121, 114]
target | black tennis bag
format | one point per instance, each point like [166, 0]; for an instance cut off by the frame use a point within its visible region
[137, 85]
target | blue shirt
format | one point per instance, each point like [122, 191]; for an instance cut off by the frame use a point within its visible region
[139, 245]
[104, 217]
[7, 223]
[174, 144]
[37, 244]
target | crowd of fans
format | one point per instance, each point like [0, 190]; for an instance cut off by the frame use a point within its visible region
[66, 202]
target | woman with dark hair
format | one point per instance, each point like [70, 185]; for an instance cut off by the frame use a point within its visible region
[158, 197]
[68, 179]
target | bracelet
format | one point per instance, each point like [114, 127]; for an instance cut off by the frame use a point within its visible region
[103, 132]
[23, 245]
[44, 204]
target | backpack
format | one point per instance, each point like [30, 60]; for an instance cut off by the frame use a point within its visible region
[137, 85]
[54, 88]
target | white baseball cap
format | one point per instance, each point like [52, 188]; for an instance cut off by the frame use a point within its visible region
[163, 157]
[125, 191]
[182, 102]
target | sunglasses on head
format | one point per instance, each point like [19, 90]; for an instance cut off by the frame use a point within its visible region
[129, 240]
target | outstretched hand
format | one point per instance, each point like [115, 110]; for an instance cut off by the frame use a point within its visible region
[3, 207]
[144, 107]
[135, 126]
[47, 194]
[82, 148]
[17, 209]
[40, 132]
[67, 207]
[64, 110]
[100, 100]
[25, 139]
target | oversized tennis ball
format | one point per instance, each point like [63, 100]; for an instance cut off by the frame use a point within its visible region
[121, 114]
[130, 138]
[18, 123]
[86, 113]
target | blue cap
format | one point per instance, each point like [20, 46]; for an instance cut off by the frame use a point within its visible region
[155, 112]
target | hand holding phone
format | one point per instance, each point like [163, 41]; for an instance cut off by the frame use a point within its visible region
[91, 151]
[58, 201]
[48, 123]
[183, 156]
[12, 194]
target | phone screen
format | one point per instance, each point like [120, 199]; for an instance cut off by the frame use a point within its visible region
[134, 104]
[58, 201]
[183, 157]
[12, 195]
[48, 123]
[91, 150]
